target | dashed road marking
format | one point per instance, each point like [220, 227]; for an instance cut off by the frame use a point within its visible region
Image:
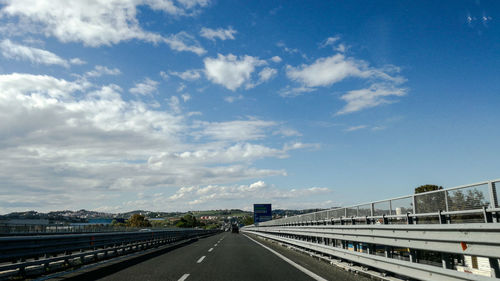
[211, 249]
[201, 259]
[215, 245]
[183, 277]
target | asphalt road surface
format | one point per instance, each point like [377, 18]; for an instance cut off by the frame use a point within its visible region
[231, 257]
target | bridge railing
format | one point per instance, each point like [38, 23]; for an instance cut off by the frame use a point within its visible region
[476, 202]
[34, 255]
[441, 235]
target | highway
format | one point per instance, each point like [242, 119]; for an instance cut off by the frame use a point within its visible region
[229, 256]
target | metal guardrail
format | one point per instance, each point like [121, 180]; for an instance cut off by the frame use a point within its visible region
[20, 254]
[462, 204]
[35, 229]
[423, 236]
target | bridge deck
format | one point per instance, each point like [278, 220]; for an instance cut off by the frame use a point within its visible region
[235, 257]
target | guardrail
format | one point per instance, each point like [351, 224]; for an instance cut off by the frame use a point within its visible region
[438, 235]
[51, 229]
[462, 204]
[34, 255]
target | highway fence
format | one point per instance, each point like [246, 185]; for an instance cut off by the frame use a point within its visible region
[449, 234]
[22, 256]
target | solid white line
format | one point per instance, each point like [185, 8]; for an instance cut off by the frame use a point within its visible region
[299, 267]
[184, 277]
[201, 259]
[211, 249]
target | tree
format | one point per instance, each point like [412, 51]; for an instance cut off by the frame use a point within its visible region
[187, 221]
[429, 203]
[137, 220]
[427, 188]
[247, 220]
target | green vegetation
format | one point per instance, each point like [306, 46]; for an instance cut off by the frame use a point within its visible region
[427, 188]
[137, 220]
[247, 220]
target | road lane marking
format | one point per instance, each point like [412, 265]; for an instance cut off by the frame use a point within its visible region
[215, 245]
[201, 259]
[184, 277]
[211, 249]
[297, 266]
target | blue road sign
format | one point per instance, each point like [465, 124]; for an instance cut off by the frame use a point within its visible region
[262, 213]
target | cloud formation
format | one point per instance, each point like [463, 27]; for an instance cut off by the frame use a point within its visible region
[375, 95]
[90, 23]
[100, 70]
[73, 141]
[11, 50]
[327, 71]
[219, 33]
[231, 71]
[146, 87]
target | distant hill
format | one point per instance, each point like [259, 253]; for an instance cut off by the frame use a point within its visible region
[84, 215]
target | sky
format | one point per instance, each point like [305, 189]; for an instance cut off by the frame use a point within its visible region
[177, 105]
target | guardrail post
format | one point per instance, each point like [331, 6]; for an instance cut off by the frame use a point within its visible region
[442, 219]
[487, 215]
[493, 199]
[409, 219]
[495, 269]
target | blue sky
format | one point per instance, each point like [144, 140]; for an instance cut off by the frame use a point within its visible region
[197, 104]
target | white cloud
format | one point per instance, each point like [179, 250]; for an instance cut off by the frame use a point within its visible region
[276, 59]
[330, 41]
[90, 23]
[184, 42]
[174, 104]
[72, 144]
[341, 48]
[181, 87]
[356, 128]
[327, 71]
[375, 95]
[12, 50]
[100, 70]
[185, 97]
[286, 49]
[219, 33]
[287, 132]
[164, 75]
[146, 87]
[267, 73]
[231, 99]
[231, 71]
[293, 92]
[77, 61]
[217, 195]
[330, 70]
[189, 75]
[239, 130]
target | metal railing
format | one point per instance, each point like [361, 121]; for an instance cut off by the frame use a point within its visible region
[35, 255]
[462, 204]
[425, 236]
[50, 229]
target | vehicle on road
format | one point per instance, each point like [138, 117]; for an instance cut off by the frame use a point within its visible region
[235, 229]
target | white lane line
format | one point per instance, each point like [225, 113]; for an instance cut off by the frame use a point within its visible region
[183, 277]
[201, 259]
[299, 267]
[211, 249]
[215, 245]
